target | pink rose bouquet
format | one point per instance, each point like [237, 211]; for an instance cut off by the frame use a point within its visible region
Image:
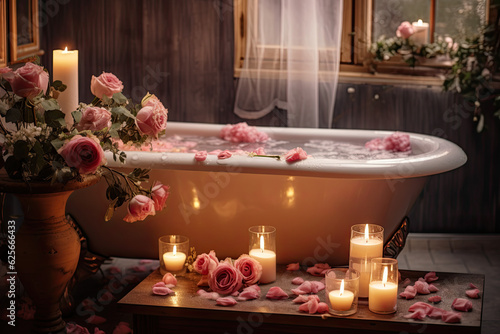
[38, 145]
[250, 268]
[405, 30]
[204, 263]
[225, 279]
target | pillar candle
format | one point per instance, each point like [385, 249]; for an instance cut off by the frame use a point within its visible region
[267, 259]
[174, 261]
[421, 34]
[65, 68]
[341, 300]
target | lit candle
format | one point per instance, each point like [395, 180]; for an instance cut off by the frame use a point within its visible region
[267, 259]
[174, 261]
[383, 295]
[421, 34]
[65, 68]
[341, 300]
[362, 250]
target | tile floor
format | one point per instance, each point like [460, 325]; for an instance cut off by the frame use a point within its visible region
[426, 252]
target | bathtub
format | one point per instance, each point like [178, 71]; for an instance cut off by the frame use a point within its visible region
[312, 203]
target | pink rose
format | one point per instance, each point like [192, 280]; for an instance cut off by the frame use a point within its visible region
[295, 154]
[405, 30]
[27, 81]
[250, 268]
[139, 208]
[159, 194]
[94, 119]
[204, 264]
[105, 84]
[151, 121]
[4, 70]
[225, 279]
[83, 153]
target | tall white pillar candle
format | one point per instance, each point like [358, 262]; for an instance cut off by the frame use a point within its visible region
[65, 68]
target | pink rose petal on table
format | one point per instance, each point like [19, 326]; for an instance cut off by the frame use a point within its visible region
[248, 294]
[318, 269]
[72, 328]
[472, 286]
[207, 295]
[139, 269]
[433, 288]
[431, 277]
[200, 156]
[169, 280]
[95, 320]
[293, 266]
[224, 154]
[422, 305]
[422, 287]
[451, 317]
[203, 281]
[295, 154]
[419, 314]
[98, 331]
[305, 298]
[122, 328]
[317, 286]
[297, 281]
[226, 301]
[322, 308]
[435, 313]
[406, 282]
[145, 261]
[276, 293]
[461, 304]
[310, 307]
[235, 294]
[161, 290]
[409, 293]
[255, 287]
[434, 299]
[472, 293]
[304, 288]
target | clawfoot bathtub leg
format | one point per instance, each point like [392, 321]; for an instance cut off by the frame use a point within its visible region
[398, 240]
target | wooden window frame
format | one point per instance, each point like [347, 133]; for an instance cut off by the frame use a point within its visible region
[355, 40]
[18, 52]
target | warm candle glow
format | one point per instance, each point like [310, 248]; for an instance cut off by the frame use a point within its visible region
[65, 50]
[366, 233]
[384, 277]
[262, 243]
[175, 252]
[420, 22]
[341, 288]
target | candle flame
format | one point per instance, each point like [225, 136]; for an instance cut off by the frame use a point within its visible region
[175, 250]
[419, 22]
[65, 50]
[262, 243]
[384, 277]
[341, 288]
[366, 233]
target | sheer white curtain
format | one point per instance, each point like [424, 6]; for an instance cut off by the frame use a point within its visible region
[292, 60]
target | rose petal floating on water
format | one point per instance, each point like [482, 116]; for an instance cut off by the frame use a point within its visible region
[276, 293]
[431, 277]
[434, 299]
[224, 154]
[226, 301]
[409, 293]
[169, 280]
[422, 287]
[200, 156]
[242, 133]
[451, 317]
[461, 304]
[259, 151]
[293, 266]
[472, 293]
[419, 314]
[295, 154]
[297, 281]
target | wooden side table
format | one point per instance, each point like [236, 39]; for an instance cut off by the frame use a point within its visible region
[186, 312]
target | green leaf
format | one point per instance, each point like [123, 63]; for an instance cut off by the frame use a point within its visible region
[119, 111]
[77, 116]
[59, 86]
[13, 115]
[119, 98]
[50, 104]
[55, 118]
[21, 149]
[57, 143]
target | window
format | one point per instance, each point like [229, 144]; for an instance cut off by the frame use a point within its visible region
[365, 21]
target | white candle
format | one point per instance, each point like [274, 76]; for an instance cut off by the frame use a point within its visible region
[383, 295]
[362, 250]
[421, 34]
[174, 261]
[267, 259]
[65, 68]
[341, 300]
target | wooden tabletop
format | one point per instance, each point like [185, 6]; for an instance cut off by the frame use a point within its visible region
[185, 306]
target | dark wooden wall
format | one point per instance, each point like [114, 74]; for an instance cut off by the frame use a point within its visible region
[182, 50]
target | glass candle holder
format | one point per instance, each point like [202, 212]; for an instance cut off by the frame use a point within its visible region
[262, 247]
[367, 241]
[383, 290]
[173, 250]
[342, 290]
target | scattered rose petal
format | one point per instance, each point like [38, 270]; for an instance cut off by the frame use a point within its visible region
[139, 269]
[159, 284]
[422, 287]
[226, 301]
[422, 305]
[235, 294]
[161, 290]
[322, 308]
[317, 286]
[303, 289]
[248, 294]
[208, 295]
[409, 293]
[461, 304]
[472, 286]
[98, 331]
[472, 293]
[72, 328]
[242, 133]
[305, 298]
[295, 154]
[169, 280]
[200, 156]
[224, 154]
[203, 280]
[95, 320]
[276, 293]
[433, 288]
[431, 277]
[310, 307]
[451, 317]
[419, 314]
[255, 287]
[434, 299]
[259, 151]
[435, 313]
[406, 282]
[319, 269]
[293, 266]
[297, 281]
[114, 270]
[122, 328]
[145, 261]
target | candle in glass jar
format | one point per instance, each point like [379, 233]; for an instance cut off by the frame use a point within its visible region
[421, 32]
[267, 259]
[341, 300]
[383, 295]
[65, 68]
[174, 261]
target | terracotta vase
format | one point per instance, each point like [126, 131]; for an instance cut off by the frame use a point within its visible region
[47, 247]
